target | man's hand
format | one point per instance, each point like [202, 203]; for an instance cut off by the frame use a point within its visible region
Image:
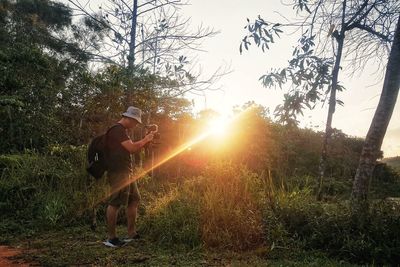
[135, 146]
[149, 137]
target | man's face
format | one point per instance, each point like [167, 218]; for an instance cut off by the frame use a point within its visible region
[132, 123]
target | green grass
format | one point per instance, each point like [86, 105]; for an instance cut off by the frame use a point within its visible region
[228, 215]
[81, 246]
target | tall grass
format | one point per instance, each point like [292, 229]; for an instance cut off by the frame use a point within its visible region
[230, 213]
[218, 209]
[47, 189]
[172, 219]
[227, 207]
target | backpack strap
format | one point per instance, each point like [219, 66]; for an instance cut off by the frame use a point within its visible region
[117, 124]
[109, 129]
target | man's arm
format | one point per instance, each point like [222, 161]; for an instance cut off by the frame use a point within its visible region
[135, 146]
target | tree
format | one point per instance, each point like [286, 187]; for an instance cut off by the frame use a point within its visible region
[379, 124]
[366, 24]
[36, 64]
[151, 35]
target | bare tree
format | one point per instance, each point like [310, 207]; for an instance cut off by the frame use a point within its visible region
[152, 35]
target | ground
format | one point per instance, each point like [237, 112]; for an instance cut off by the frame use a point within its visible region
[11, 257]
[79, 246]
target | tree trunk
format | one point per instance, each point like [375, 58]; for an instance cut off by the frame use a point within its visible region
[332, 101]
[132, 44]
[379, 124]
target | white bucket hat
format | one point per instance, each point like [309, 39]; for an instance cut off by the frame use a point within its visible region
[133, 113]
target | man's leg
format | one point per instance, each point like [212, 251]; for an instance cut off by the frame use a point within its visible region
[112, 213]
[131, 215]
[117, 198]
[132, 208]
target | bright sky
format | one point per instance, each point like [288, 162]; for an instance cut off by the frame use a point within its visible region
[242, 85]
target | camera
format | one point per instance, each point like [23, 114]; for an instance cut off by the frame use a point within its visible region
[153, 128]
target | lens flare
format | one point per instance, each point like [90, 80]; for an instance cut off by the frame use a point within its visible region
[218, 126]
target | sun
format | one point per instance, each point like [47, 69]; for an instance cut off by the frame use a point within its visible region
[218, 126]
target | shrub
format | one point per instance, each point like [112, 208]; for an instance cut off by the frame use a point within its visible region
[173, 219]
[385, 182]
[220, 209]
[333, 229]
[230, 214]
[50, 188]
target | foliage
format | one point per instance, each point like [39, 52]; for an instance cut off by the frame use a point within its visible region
[36, 63]
[394, 162]
[309, 74]
[250, 191]
[333, 229]
[47, 189]
[230, 215]
[54, 185]
[261, 32]
[227, 208]
[94, 102]
[49, 95]
[385, 182]
[264, 146]
[208, 210]
[151, 36]
[173, 218]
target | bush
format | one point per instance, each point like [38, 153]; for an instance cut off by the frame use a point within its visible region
[385, 182]
[333, 229]
[227, 207]
[230, 212]
[48, 189]
[220, 209]
[173, 219]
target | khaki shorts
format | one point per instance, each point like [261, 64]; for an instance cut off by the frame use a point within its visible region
[126, 194]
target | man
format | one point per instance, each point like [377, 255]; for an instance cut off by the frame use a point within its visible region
[119, 148]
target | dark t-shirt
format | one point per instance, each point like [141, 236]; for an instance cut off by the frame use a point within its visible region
[119, 159]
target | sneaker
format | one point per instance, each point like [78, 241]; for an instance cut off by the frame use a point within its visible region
[130, 239]
[114, 243]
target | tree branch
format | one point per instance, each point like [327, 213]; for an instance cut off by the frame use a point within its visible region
[364, 5]
[373, 32]
[158, 6]
[85, 13]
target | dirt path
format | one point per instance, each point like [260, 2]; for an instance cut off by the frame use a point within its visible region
[7, 254]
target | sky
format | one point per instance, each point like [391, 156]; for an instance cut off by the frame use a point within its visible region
[242, 84]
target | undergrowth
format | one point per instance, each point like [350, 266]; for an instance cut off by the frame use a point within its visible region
[226, 208]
